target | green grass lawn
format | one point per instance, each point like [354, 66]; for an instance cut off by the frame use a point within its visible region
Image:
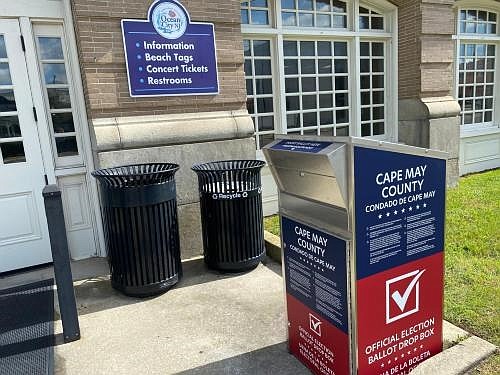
[472, 279]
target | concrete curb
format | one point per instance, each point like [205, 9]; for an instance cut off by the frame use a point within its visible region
[461, 351]
[458, 359]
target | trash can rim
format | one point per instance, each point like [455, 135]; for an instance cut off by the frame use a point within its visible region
[199, 166]
[98, 173]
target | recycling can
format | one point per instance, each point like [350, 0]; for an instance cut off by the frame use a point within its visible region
[141, 227]
[231, 213]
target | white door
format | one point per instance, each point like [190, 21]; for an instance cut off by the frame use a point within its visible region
[24, 238]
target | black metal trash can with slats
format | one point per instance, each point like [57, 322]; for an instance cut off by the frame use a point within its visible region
[231, 213]
[141, 227]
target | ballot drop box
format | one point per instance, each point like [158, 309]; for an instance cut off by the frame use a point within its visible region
[362, 231]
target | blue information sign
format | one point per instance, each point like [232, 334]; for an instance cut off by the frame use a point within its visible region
[312, 147]
[399, 201]
[316, 271]
[167, 54]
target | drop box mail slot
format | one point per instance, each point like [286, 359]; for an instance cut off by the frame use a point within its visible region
[362, 226]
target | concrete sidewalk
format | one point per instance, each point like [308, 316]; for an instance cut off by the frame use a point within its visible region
[209, 324]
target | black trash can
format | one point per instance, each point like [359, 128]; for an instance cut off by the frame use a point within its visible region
[141, 227]
[231, 213]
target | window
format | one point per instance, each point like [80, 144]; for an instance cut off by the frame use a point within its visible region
[11, 139]
[259, 82]
[58, 94]
[320, 67]
[477, 45]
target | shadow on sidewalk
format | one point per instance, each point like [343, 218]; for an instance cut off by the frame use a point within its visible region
[271, 360]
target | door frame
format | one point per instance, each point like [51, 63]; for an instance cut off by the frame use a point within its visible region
[50, 12]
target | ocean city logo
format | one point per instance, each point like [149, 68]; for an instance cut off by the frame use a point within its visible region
[169, 20]
[402, 296]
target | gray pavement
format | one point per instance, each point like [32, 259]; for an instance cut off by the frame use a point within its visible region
[209, 324]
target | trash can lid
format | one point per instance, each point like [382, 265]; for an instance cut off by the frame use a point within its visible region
[137, 174]
[229, 165]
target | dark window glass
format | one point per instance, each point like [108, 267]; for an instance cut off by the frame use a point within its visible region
[63, 122]
[291, 66]
[340, 66]
[291, 85]
[324, 66]
[59, 98]
[54, 74]
[341, 100]
[293, 120]
[246, 47]
[378, 128]
[326, 101]
[341, 83]
[326, 118]
[365, 130]
[9, 127]
[261, 48]
[264, 105]
[324, 49]
[264, 86]
[290, 48]
[266, 123]
[309, 119]
[307, 48]
[308, 84]
[66, 146]
[340, 48]
[308, 66]
[292, 103]
[343, 131]
[7, 101]
[342, 116]
[265, 139]
[309, 102]
[262, 67]
[248, 68]
[13, 152]
[249, 87]
[325, 84]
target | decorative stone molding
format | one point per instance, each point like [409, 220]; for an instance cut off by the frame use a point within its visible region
[120, 133]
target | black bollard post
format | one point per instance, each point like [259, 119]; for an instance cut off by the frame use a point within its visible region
[62, 267]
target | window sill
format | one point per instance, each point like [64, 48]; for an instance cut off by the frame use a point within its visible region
[479, 130]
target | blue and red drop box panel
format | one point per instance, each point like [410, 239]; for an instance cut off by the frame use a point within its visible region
[397, 291]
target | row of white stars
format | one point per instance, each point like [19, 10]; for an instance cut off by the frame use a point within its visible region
[402, 356]
[403, 210]
[312, 264]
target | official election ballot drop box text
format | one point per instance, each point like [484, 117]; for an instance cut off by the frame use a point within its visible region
[362, 227]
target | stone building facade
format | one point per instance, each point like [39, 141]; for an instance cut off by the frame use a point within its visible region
[421, 72]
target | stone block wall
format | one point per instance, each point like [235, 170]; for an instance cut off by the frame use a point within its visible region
[102, 60]
[178, 129]
[428, 113]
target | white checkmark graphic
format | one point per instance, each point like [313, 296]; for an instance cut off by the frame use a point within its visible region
[315, 325]
[401, 300]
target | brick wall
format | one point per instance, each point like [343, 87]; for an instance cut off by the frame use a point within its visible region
[426, 48]
[102, 61]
